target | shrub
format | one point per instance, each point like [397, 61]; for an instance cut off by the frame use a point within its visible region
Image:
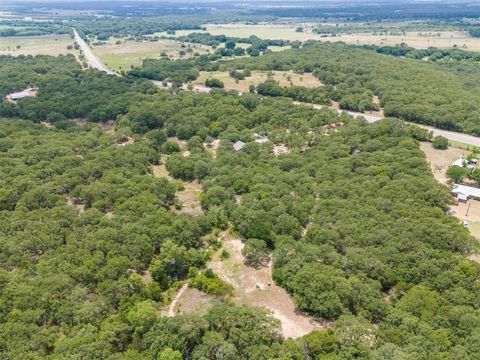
[440, 143]
[214, 83]
[457, 173]
[210, 283]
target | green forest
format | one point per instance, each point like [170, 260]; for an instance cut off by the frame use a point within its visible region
[432, 87]
[92, 249]
[414, 90]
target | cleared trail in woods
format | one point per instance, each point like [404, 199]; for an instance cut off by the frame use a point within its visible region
[171, 308]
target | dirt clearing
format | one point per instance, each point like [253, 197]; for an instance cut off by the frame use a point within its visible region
[470, 212]
[440, 160]
[256, 287]
[193, 301]
[189, 197]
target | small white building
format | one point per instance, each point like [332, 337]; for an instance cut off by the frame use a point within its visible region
[462, 162]
[239, 145]
[13, 97]
[463, 192]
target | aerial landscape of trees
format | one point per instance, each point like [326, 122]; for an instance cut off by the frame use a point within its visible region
[98, 239]
[410, 89]
[91, 248]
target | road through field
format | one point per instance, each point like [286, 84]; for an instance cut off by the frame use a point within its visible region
[92, 59]
[96, 63]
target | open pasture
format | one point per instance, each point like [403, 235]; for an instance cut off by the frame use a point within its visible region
[131, 53]
[420, 39]
[35, 45]
[415, 39]
[285, 78]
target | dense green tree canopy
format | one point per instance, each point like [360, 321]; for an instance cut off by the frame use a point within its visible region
[91, 246]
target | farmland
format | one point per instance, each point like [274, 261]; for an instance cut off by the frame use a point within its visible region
[415, 39]
[420, 39]
[283, 32]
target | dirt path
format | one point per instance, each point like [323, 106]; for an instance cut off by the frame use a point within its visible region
[256, 287]
[171, 309]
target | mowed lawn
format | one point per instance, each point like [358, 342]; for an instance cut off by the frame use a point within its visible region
[35, 45]
[131, 53]
[285, 78]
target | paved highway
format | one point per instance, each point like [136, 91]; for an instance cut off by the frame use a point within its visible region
[92, 59]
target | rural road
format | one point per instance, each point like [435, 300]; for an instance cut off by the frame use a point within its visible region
[92, 59]
[450, 135]
[96, 63]
[453, 136]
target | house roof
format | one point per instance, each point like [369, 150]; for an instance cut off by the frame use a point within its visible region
[239, 145]
[466, 190]
[459, 162]
[19, 95]
[23, 94]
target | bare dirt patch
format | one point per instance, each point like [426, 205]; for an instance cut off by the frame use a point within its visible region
[74, 202]
[280, 149]
[440, 160]
[212, 147]
[173, 304]
[108, 127]
[475, 257]
[467, 211]
[160, 170]
[189, 197]
[256, 287]
[285, 78]
[194, 301]
[47, 125]
[470, 212]
[124, 141]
